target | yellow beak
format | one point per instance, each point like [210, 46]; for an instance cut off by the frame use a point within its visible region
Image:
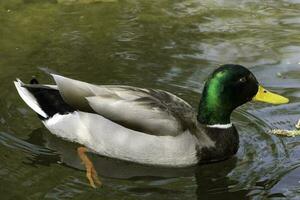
[269, 97]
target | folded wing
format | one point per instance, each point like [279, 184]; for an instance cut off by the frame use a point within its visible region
[150, 111]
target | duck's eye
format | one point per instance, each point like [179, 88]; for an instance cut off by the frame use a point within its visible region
[243, 80]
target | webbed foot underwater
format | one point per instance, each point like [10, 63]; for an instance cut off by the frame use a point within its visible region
[148, 126]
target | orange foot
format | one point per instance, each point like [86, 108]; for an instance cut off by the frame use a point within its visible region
[91, 173]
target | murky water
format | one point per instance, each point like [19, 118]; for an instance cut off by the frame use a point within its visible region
[167, 44]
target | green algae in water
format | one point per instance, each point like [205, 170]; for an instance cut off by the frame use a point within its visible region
[287, 133]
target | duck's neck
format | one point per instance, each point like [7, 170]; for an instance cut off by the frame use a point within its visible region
[213, 110]
[213, 116]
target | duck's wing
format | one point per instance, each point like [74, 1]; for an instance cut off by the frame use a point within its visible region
[150, 111]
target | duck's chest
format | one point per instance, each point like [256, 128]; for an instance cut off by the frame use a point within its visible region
[226, 144]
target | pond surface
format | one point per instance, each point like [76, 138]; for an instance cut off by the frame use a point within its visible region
[167, 44]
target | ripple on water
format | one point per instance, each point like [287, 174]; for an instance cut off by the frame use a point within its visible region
[172, 45]
[271, 157]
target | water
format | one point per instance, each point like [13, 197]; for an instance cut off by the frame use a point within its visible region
[166, 44]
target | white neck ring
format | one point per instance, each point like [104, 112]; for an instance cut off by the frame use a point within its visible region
[222, 126]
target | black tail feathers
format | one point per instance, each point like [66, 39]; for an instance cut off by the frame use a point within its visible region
[49, 99]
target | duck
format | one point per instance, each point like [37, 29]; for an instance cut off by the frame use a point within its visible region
[146, 126]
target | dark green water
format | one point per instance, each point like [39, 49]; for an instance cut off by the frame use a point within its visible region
[167, 44]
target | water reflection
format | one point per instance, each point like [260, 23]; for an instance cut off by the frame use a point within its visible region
[213, 181]
[210, 180]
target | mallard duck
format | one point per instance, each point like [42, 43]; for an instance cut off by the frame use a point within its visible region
[147, 126]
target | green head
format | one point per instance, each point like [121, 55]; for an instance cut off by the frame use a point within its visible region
[229, 87]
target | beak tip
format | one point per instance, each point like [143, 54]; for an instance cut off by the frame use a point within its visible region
[287, 101]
